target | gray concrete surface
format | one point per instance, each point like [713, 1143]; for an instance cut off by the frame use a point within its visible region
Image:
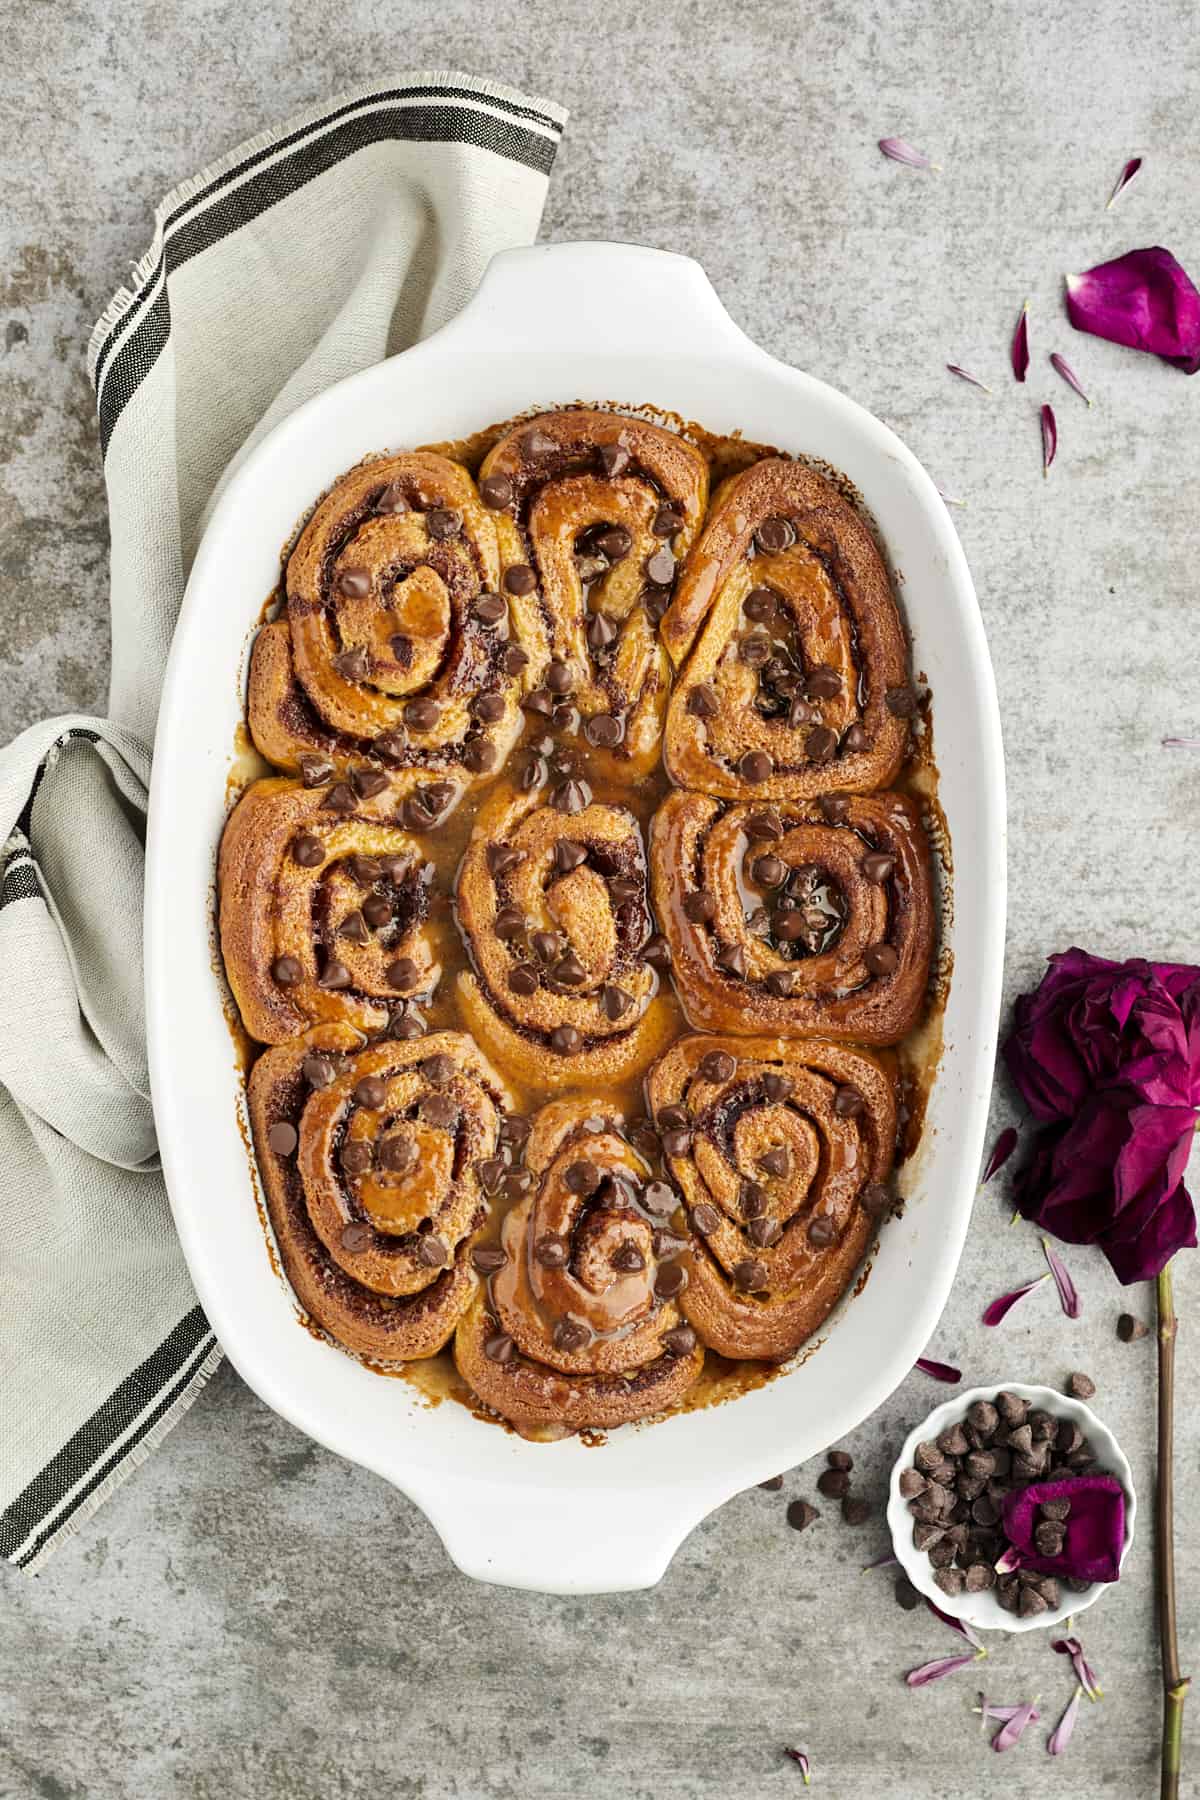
[250, 1617]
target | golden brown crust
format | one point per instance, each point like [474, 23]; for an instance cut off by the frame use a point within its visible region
[833, 612]
[563, 505]
[736, 970]
[814, 1210]
[566, 911]
[584, 1341]
[355, 1241]
[276, 909]
[382, 614]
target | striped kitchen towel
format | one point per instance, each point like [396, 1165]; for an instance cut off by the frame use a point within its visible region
[307, 254]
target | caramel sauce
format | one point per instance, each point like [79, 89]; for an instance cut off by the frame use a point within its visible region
[435, 1379]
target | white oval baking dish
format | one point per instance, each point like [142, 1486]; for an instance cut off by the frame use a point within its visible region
[549, 325]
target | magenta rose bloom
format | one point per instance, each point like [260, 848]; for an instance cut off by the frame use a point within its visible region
[1107, 1055]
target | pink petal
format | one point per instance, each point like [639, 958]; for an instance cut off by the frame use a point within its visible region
[1085, 1675]
[1049, 438]
[1124, 178]
[1062, 367]
[1143, 299]
[1002, 1149]
[965, 375]
[940, 1668]
[1177, 743]
[939, 1371]
[886, 1561]
[898, 151]
[950, 498]
[1060, 1737]
[1020, 346]
[988, 1709]
[800, 1756]
[1010, 1560]
[1010, 1733]
[993, 1314]
[959, 1626]
[1066, 1287]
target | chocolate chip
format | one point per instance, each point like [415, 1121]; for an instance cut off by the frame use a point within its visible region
[800, 1515]
[568, 971]
[354, 583]
[820, 744]
[488, 1258]
[355, 1236]
[314, 770]
[334, 976]
[422, 713]
[756, 766]
[848, 1103]
[1129, 1329]
[854, 738]
[901, 702]
[749, 1275]
[781, 983]
[755, 649]
[667, 521]
[1031, 1602]
[671, 1280]
[657, 953]
[569, 1335]
[775, 534]
[881, 959]
[615, 1002]
[777, 1161]
[679, 1341]
[718, 1065]
[393, 499]
[699, 907]
[565, 1039]
[509, 923]
[777, 1087]
[377, 910]
[821, 1232]
[551, 1251]
[370, 1092]
[308, 850]
[283, 1138]
[732, 960]
[439, 1069]
[912, 1483]
[764, 1232]
[514, 660]
[984, 1417]
[443, 522]
[876, 1200]
[605, 730]
[439, 1110]
[399, 1154]
[877, 867]
[582, 1177]
[760, 604]
[340, 798]
[286, 971]
[627, 1259]
[520, 579]
[906, 1594]
[706, 1218]
[822, 683]
[355, 928]
[570, 797]
[1081, 1387]
[660, 569]
[833, 1483]
[356, 1156]
[488, 708]
[499, 1348]
[496, 492]
[614, 458]
[403, 974]
[406, 1025]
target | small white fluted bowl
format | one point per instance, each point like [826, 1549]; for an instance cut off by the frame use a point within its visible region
[983, 1610]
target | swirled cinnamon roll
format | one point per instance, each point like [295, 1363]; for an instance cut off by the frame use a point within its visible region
[594, 513]
[793, 678]
[551, 900]
[782, 1152]
[369, 1159]
[796, 918]
[396, 644]
[328, 909]
[580, 1326]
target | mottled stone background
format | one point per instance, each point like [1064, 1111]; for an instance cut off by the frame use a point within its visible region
[252, 1618]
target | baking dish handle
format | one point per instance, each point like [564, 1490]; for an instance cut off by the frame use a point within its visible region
[605, 297]
[558, 1540]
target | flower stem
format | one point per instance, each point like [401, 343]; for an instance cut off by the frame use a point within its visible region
[1175, 1684]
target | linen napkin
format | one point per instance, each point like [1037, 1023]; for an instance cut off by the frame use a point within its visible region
[309, 253]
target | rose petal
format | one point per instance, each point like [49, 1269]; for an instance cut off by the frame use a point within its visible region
[940, 1668]
[965, 375]
[950, 499]
[886, 1561]
[1177, 743]
[1002, 1149]
[993, 1314]
[1143, 299]
[959, 1626]
[1084, 1672]
[1020, 345]
[898, 151]
[1010, 1733]
[1067, 1292]
[1124, 178]
[988, 1709]
[1049, 438]
[1060, 1737]
[940, 1371]
[1063, 368]
[1095, 1531]
[800, 1756]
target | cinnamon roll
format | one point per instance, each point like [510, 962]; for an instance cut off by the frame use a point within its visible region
[551, 900]
[370, 1163]
[396, 644]
[580, 1324]
[782, 1152]
[594, 513]
[796, 917]
[328, 909]
[793, 678]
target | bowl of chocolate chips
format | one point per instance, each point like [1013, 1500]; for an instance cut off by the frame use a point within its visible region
[1012, 1507]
